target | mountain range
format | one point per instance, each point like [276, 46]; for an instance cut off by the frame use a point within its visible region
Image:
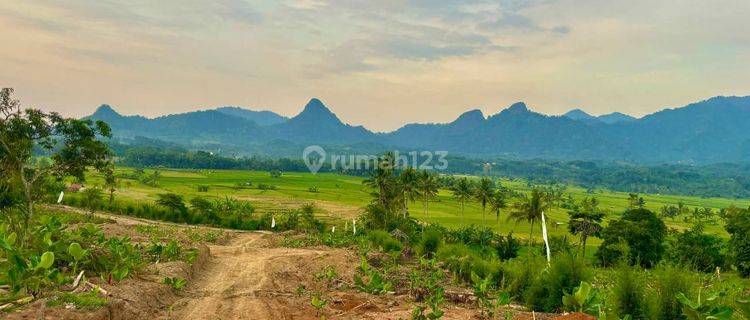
[709, 131]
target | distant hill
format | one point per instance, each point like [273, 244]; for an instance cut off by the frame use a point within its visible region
[263, 118]
[615, 117]
[710, 131]
[610, 118]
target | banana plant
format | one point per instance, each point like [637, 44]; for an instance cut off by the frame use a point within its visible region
[704, 308]
[583, 299]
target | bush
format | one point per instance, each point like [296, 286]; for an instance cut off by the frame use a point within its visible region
[738, 226]
[564, 274]
[668, 282]
[384, 241]
[641, 231]
[431, 240]
[520, 273]
[628, 295]
[462, 261]
[695, 249]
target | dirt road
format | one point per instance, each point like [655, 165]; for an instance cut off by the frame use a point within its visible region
[248, 279]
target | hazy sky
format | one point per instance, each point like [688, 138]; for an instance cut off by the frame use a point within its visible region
[379, 63]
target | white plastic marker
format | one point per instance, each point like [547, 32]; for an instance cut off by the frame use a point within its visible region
[333, 229]
[544, 235]
[354, 226]
[273, 222]
[59, 199]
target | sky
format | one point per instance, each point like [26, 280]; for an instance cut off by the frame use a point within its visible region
[379, 63]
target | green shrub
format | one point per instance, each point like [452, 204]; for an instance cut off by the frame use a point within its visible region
[384, 241]
[695, 249]
[520, 274]
[462, 261]
[431, 240]
[668, 281]
[738, 226]
[628, 294]
[565, 273]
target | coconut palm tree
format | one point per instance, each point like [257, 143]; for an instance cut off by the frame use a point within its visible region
[381, 179]
[408, 183]
[497, 203]
[462, 191]
[530, 209]
[428, 188]
[484, 191]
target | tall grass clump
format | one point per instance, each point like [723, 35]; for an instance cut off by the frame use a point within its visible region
[565, 273]
[519, 273]
[462, 261]
[384, 241]
[430, 243]
[668, 281]
[628, 294]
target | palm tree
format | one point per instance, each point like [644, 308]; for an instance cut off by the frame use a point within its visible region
[483, 193]
[586, 220]
[462, 191]
[408, 182]
[381, 179]
[497, 203]
[530, 209]
[428, 188]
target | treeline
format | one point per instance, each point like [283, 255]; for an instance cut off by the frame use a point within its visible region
[717, 180]
[728, 180]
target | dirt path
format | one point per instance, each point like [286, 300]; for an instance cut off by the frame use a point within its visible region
[246, 279]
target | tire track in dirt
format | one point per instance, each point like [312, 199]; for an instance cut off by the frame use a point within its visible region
[240, 281]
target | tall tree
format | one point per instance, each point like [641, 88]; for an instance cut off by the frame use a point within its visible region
[71, 144]
[408, 183]
[585, 220]
[381, 179]
[428, 188]
[462, 191]
[530, 209]
[484, 191]
[498, 202]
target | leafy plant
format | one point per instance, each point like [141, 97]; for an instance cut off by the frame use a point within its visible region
[176, 283]
[583, 299]
[373, 281]
[318, 303]
[77, 253]
[706, 308]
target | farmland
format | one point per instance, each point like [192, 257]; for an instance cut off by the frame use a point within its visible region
[339, 198]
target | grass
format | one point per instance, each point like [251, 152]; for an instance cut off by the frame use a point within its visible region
[340, 196]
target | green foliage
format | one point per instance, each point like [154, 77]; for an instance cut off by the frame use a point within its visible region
[738, 226]
[520, 273]
[430, 243]
[318, 303]
[426, 286]
[462, 261]
[384, 241]
[695, 249]
[275, 173]
[641, 231]
[704, 308]
[565, 273]
[584, 298]
[89, 300]
[482, 288]
[585, 220]
[93, 199]
[175, 282]
[628, 294]
[668, 281]
[371, 281]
